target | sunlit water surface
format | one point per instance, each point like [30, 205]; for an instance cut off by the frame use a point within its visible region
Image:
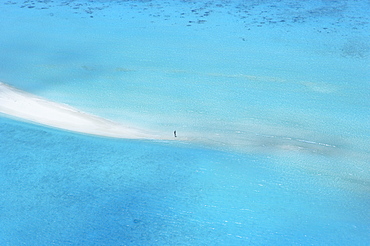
[271, 98]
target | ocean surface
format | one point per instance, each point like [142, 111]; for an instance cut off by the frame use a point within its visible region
[271, 97]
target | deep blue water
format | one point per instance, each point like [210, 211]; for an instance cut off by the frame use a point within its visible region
[274, 96]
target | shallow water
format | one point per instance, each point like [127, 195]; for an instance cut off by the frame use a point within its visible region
[272, 97]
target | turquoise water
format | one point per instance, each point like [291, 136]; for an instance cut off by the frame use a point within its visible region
[272, 95]
[67, 189]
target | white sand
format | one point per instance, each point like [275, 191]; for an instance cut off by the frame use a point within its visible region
[32, 108]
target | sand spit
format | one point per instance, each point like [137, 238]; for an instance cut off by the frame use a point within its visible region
[32, 108]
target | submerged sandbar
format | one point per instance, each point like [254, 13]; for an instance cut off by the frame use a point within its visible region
[29, 107]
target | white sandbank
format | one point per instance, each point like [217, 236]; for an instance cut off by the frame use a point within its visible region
[29, 107]
[32, 108]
